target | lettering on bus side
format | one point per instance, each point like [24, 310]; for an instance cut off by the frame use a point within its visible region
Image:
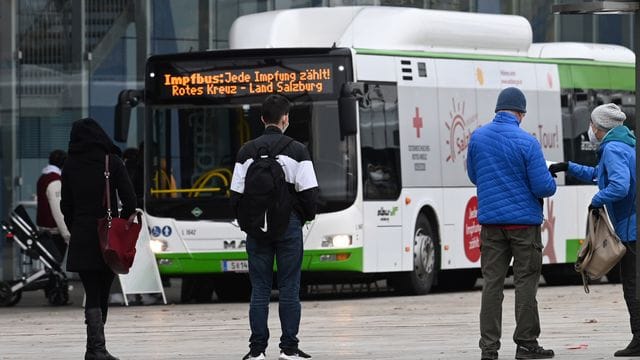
[233, 244]
[189, 232]
[386, 214]
[548, 139]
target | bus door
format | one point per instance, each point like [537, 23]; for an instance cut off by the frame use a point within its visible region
[379, 140]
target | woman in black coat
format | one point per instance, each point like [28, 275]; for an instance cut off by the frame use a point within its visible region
[83, 185]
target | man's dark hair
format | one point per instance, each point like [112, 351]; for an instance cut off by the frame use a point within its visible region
[57, 158]
[274, 108]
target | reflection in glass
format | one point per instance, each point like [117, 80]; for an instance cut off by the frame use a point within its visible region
[193, 150]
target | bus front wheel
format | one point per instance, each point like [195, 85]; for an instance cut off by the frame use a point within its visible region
[425, 263]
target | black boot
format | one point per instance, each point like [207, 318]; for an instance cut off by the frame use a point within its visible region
[633, 349]
[96, 349]
[104, 323]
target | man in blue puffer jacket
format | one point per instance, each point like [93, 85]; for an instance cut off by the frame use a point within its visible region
[509, 170]
[615, 175]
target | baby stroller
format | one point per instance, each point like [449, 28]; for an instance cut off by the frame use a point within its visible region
[40, 262]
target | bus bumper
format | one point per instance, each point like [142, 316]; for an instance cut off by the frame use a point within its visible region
[177, 264]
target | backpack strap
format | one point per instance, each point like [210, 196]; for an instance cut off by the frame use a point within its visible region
[280, 145]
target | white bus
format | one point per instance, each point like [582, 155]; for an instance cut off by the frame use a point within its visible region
[385, 100]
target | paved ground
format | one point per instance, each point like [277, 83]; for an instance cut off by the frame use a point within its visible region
[436, 326]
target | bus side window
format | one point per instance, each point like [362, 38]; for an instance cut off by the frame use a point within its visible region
[627, 102]
[577, 105]
[379, 140]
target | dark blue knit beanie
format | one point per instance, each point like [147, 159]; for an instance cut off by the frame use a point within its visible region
[511, 99]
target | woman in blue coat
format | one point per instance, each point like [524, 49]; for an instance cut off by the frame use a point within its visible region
[615, 175]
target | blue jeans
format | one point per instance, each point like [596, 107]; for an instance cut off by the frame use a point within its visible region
[288, 254]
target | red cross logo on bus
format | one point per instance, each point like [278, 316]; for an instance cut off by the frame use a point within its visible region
[417, 122]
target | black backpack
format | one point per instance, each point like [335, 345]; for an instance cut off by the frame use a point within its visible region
[265, 205]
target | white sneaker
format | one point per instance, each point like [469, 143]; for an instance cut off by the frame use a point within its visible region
[251, 356]
[293, 355]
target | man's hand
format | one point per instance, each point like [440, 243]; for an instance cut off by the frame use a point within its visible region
[66, 236]
[558, 167]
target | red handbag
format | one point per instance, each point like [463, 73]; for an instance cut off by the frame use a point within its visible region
[118, 237]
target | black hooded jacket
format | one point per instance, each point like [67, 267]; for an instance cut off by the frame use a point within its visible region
[83, 185]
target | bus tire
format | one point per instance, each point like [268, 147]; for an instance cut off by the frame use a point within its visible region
[425, 261]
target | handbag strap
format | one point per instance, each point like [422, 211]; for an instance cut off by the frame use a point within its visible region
[585, 282]
[107, 188]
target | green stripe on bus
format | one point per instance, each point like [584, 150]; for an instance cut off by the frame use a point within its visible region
[623, 78]
[572, 247]
[211, 262]
[585, 74]
[596, 77]
[434, 55]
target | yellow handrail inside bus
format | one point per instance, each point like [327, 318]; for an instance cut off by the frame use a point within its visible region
[225, 171]
[207, 176]
[202, 179]
[161, 177]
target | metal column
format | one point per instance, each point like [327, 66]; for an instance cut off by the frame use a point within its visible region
[206, 25]
[79, 89]
[142, 20]
[9, 57]
[636, 48]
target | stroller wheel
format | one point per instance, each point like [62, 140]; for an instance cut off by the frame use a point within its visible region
[58, 291]
[8, 298]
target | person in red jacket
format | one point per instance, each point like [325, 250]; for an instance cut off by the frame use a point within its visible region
[49, 217]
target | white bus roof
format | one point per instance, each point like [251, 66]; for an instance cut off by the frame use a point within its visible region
[384, 28]
[582, 51]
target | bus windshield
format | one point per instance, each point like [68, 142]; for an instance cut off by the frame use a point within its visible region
[202, 107]
[192, 154]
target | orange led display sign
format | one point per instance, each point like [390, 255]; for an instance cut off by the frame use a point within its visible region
[309, 79]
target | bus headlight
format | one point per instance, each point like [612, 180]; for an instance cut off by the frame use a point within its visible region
[338, 241]
[158, 245]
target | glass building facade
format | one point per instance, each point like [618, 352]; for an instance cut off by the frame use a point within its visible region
[61, 60]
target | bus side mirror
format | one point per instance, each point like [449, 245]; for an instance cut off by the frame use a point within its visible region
[127, 100]
[347, 108]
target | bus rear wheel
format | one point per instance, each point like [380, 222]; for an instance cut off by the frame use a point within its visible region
[425, 261]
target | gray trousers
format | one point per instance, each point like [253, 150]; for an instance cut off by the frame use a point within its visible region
[499, 245]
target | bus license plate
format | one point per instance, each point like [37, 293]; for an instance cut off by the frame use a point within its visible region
[235, 265]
